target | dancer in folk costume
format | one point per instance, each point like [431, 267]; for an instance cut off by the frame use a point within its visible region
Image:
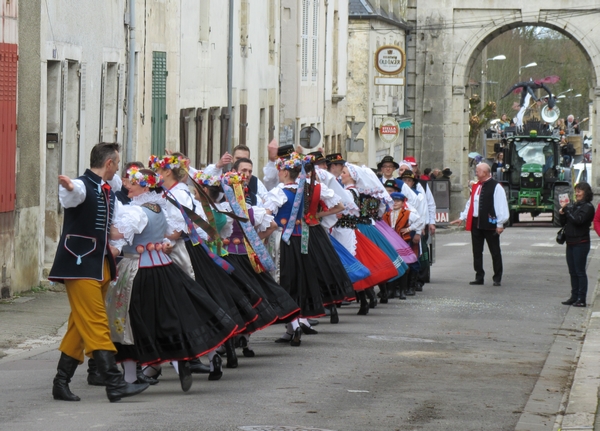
[157, 312]
[247, 253]
[372, 200]
[311, 271]
[194, 256]
[85, 263]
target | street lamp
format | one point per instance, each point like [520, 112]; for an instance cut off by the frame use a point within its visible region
[525, 67]
[484, 77]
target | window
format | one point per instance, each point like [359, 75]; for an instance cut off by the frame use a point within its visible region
[315, 40]
[109, 102]
[204, 29]
[304, 36]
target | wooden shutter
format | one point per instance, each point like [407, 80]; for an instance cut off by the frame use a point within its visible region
[199, 121]
[8, 125]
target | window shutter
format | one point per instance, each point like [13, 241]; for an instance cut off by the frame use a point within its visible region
[315, 40]
[304, 35]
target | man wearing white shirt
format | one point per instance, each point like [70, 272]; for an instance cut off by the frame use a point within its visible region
[255, 186]
[485, 212]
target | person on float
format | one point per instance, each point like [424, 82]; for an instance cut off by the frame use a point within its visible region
[371, 198]
[311, 271]
[157, 312]
[191, 252]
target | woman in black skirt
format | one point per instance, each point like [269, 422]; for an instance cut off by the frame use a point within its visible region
[157, 313]
[311, 271]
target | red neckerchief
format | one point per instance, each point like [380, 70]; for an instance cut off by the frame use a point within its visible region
[475, 190]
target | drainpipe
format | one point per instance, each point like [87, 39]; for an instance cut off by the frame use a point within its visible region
[230, 79]
[131, 83]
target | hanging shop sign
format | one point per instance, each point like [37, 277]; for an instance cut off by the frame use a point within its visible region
[390, 60]
[389, 130]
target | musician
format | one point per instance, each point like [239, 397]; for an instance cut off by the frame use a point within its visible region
[572, 125]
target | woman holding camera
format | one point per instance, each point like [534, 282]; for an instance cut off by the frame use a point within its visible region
[576, 218]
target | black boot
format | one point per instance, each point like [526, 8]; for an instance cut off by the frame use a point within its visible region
[116, 386]
[572, 300]
[383, 291]
[198, 367]
[65, 370]
[217, 372]
[334, 317]
[93, 377]
[402, 285]
[185, 375]
[372, 297]
[232, 361]
[364, 304]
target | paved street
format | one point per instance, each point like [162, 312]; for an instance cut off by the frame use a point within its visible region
[455, 357]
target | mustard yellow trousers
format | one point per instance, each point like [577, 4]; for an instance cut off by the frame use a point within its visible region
[88, 325]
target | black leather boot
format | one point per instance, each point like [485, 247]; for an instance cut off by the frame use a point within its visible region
[364, 304]
[402, 285]
[372, 297]
[93, 377]
[65, 370]
[232, 361]
[572, 300]
[217, 372]
[116, 386]
[334, 317]
[383, 291]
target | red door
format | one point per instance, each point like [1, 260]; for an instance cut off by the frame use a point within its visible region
[8, 125]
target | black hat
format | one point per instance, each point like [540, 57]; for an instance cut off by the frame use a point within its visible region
[387, 159]
[447, 172]
[285, 150]
[318, 157]
[408, 174]
[335, 158]
[391, 184]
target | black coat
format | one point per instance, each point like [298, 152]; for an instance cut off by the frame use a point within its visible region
[577, 219]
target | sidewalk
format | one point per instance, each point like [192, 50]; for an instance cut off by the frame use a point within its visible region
[32, 320]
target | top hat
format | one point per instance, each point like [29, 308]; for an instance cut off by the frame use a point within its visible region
[285, 150]
[335, 158]
[411, 160]
[387, 159]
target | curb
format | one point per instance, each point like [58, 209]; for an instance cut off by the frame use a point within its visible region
[572, 404]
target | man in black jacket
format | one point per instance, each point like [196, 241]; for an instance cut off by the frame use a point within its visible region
[85, 263]
[485, 212]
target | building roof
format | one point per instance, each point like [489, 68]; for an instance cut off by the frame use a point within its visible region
[363, 9]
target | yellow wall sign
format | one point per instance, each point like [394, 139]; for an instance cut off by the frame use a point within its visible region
[390, 60]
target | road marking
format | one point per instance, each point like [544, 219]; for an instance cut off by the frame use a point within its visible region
[356, 391]
[543, 244]
[456, 244]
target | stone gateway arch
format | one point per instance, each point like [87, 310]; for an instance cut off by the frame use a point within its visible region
[446, 39]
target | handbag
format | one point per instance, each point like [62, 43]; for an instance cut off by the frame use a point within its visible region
[560, 236]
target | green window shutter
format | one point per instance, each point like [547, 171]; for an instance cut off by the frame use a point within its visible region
[159, 102]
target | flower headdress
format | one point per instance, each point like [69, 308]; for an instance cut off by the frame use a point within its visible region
[153, 181]
[168, 162]
[206, 180]
[295, 160]
[232, 178]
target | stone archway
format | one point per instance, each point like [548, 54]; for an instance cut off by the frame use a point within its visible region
[446, 42]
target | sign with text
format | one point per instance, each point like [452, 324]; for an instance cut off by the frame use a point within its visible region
[390, 60]
[389, 130]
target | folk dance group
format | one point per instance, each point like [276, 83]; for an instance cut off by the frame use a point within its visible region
[204, 261]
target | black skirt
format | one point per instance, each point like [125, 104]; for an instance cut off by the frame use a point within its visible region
[299, 279]
[282, 304]
[172, 318]
[332, 277]
[227, 290]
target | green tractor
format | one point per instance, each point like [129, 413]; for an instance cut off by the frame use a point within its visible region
[533, 176]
